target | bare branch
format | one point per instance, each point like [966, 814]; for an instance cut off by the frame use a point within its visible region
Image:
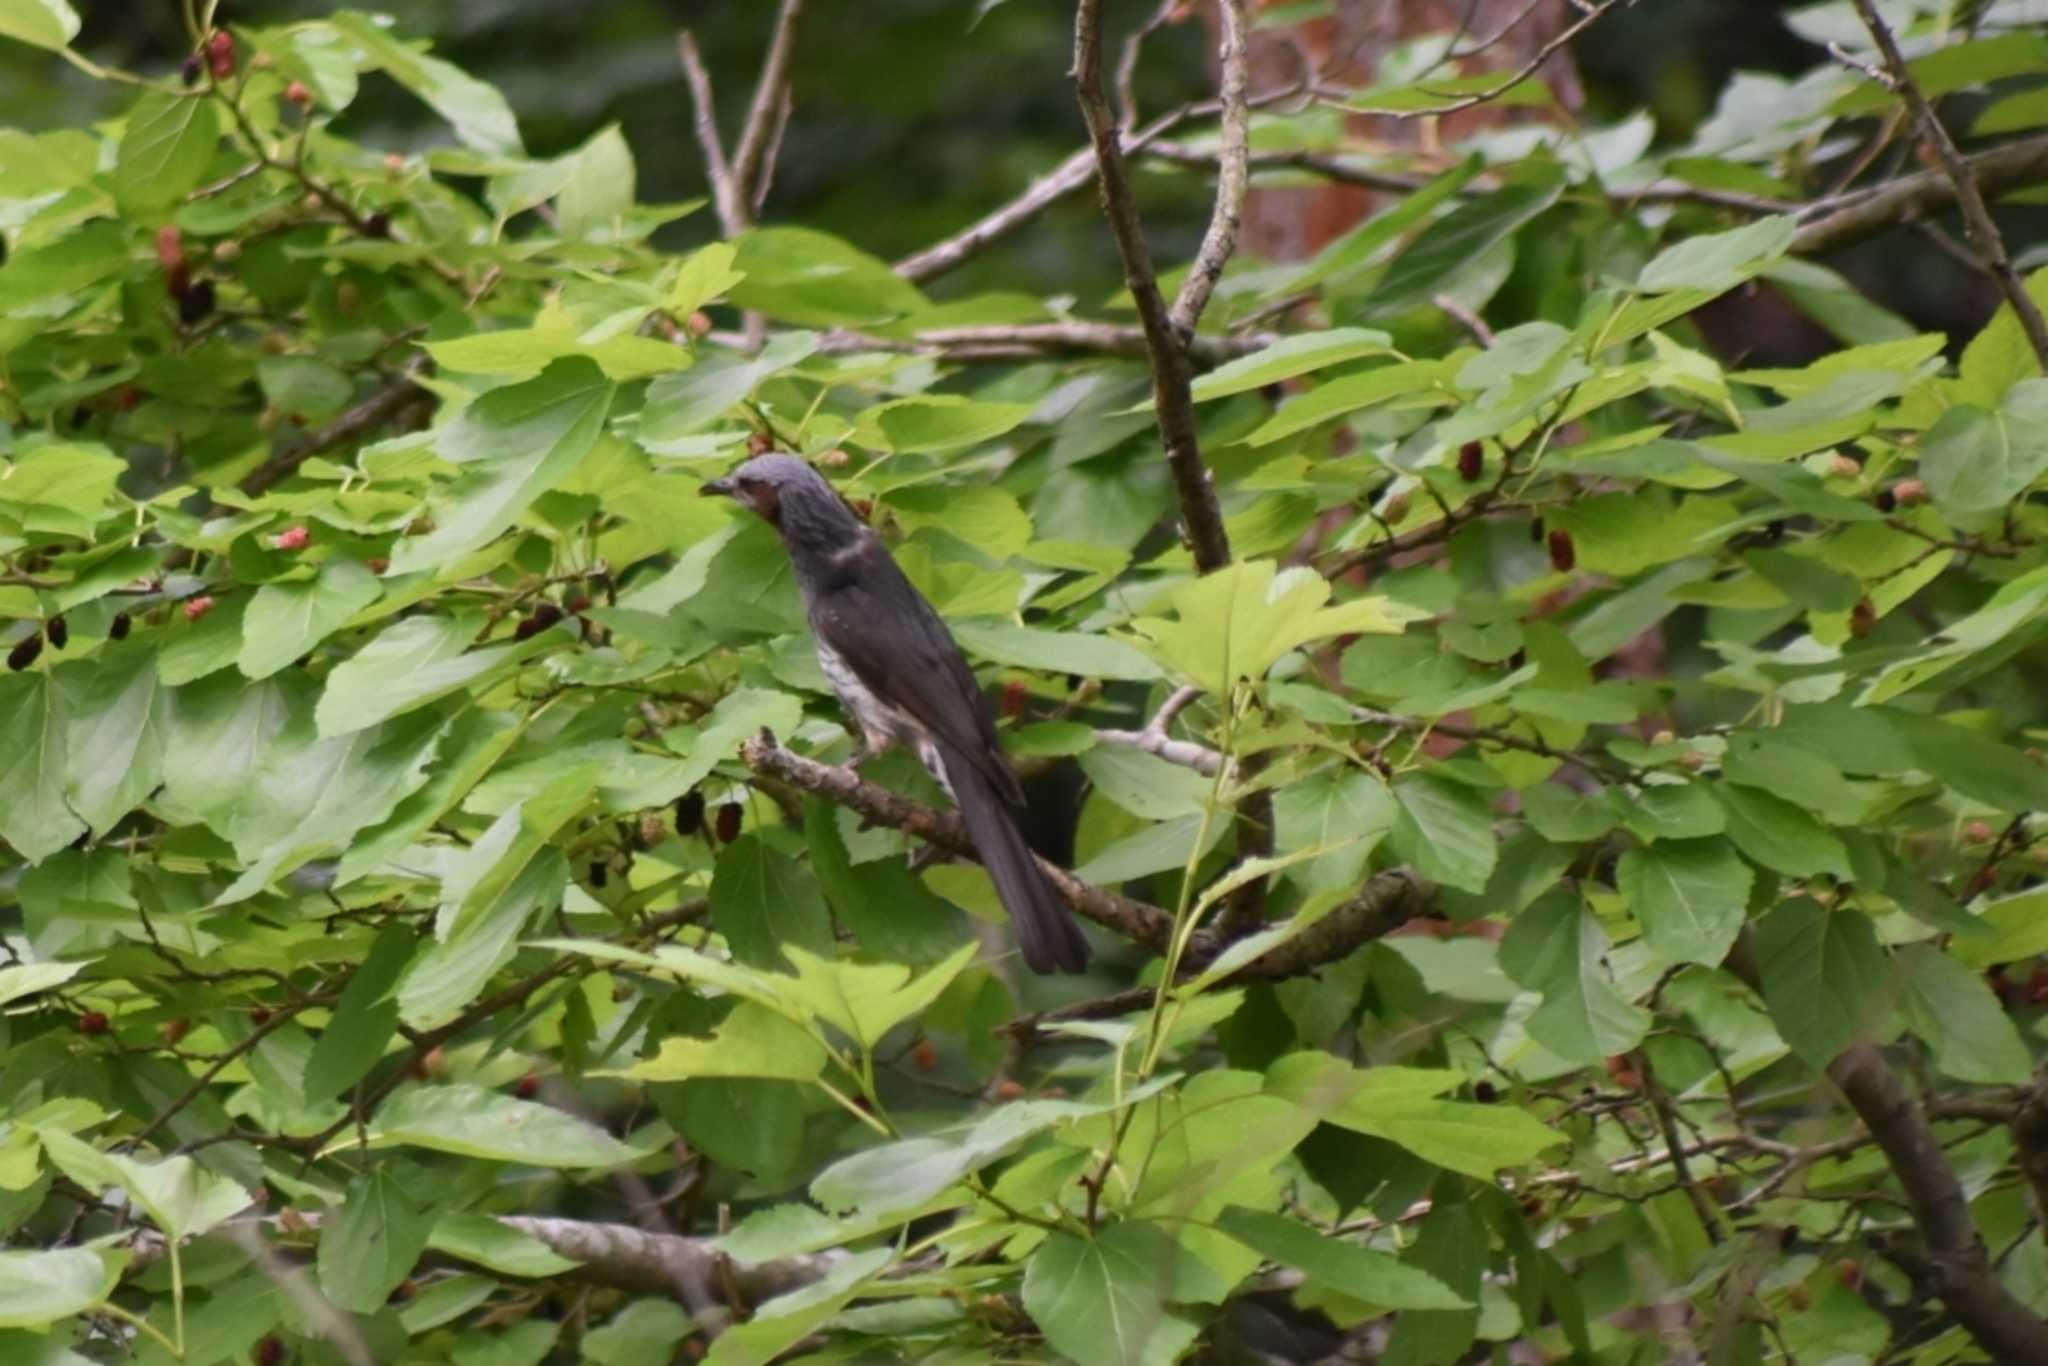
[1836, 222]
[1522, 73]
[1029, 341]
[1220, 240]
[1147, 925]
[1384, 904]
[1154, 740]
[359, 421]
[1127, 64]
[732, 214]
[1961, 1268]
[1069, 177]
[1199, 510]
[1984, 234]
[1465, 318]
[751, 156]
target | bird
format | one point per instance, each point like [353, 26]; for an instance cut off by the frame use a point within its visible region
[902, 680]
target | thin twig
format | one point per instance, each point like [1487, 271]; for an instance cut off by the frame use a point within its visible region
[704, 121]
[1522, 73]
[1984, 234]
[1200, 512]
[1220, 240]
[750, 155]
[1455, 310]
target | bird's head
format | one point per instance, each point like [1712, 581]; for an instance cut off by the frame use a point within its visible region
[763, 483]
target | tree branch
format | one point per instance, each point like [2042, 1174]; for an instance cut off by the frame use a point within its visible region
[1135, 920]
[704, 122]
[1220, 240]
[1984, 234]
[1840, 220]
[1962, 1271]
[1199, 510]
[750, 156]
[1387, 902]
[1032, 341]
[359, 421]
[2030, 1141]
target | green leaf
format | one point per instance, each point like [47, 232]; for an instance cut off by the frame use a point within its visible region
[1949, 1006]
[813, 279]
[1344, 394]
[1444, 829]
[1781, 836]
[1300, 354]
[1825, 978]
[1399, 1105]
[482, 1240]
[644, 1333]
[739, 716]
[754, 1041]
[370, 1244]
[365, 1019]
[41, 1288]
[288, 618]
[1346, 810]
[864, 1001]
[62, 489]
[2017, 929]
[26, 979]
[1690, 896]
[513, 444]
[1361, 1273]
[909, 1172]
[1101, 1301]
[935, 422]
[1717, 261]
[1557, 948]
[679, 406]
[169, 143]
[1441, 251]
[780, 1323]
[469, 1121]
[34, 816]
[476, 881]
[888, 909]
[1237, 622]
[2015, 605]
[1977, 462]
[179, 1196]
[764, 902]
[411, 663]
[453, 971]
[478, 113]
[1059, 652]
[703, 276]
[119, 721]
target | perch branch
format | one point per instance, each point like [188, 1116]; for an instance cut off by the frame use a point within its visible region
[751, 156]
[1840, 220]
[1147, 925]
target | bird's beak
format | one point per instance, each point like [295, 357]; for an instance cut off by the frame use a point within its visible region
[721, 488]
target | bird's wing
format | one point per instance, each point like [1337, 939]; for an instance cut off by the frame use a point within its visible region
[892, 639]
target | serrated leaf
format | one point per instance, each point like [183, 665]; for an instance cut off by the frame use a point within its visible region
[370, 1244]
[753, 1041]
[1952, 1008]
[169, 143]
[1557, 948]
[1237, 622]
[1101, 1301]
[1444, 829]
[1690, 896]
[288, 618]
[1825, 978]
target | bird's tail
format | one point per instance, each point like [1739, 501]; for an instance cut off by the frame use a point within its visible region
[1046, 931]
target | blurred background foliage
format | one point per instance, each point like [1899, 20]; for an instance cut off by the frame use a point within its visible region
[915, 116]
